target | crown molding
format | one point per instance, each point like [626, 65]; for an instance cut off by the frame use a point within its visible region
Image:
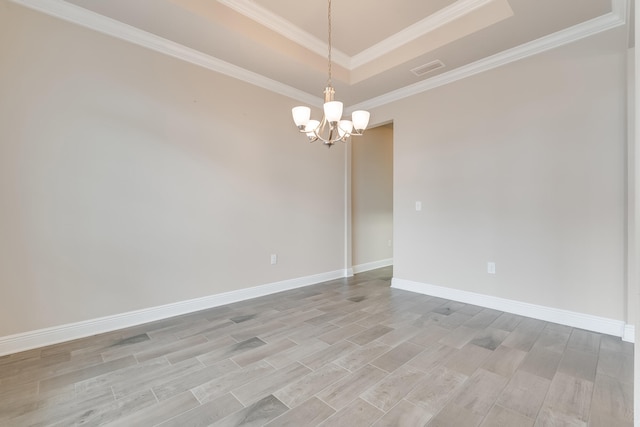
[296, 34]
[287, 29]
[86, 18]
[80, 16]
[613, 19]
[414, 31]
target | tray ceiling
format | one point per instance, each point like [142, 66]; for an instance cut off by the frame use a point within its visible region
[281, 44]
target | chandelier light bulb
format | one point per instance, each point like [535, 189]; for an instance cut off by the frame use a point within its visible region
[345, 128]
[311, 128]
[360, 120]
[333, 111]
[301, 116]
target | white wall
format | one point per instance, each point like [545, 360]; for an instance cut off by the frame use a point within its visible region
[372, 195]
[523, 165]
[129, 180]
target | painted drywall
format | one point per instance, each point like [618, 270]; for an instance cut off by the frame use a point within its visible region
[129, 179]
[634, 232]
[633, 198]
[372, 195]
[523, 166]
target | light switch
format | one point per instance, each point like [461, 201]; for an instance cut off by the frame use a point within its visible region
[418, 206]
[491, 267]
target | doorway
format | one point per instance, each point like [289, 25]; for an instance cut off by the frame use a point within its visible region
[372, 199]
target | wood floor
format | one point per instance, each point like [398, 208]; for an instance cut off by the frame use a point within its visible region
[350, 352]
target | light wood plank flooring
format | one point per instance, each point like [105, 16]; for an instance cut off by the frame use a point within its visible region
[350, 352]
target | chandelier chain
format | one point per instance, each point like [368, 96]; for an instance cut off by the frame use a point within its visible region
[329, 43]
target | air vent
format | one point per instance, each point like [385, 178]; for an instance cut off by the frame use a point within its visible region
[427, 68]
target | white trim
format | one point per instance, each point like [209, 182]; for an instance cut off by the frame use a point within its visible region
[78, 15]
[86, 18]
[57, 334]
[594, 26]
[620, 8]
[348, 252]
[556, 315]
[287, 29]
[361, 268]
[414, 31]
[629, 334]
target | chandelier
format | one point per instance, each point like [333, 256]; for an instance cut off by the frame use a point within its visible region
[332, 128]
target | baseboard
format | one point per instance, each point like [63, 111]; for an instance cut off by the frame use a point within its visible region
[361, 268]
[57, 334]
[564, 317]
[629, 334]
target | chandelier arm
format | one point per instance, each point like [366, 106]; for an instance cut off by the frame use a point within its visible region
[332, 137]
[317, 132]
[346, 133]
[320, 129]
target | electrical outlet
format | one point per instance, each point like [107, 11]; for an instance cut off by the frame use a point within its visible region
[274, 259]
[491, 267]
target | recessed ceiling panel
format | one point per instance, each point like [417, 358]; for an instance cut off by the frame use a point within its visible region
[357, 24]
[369, 66]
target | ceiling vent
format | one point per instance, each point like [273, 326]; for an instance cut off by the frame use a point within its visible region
[427, 68]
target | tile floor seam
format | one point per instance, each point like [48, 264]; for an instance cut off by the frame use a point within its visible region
[328, 314]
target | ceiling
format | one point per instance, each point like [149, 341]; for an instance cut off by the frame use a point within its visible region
[282, 44]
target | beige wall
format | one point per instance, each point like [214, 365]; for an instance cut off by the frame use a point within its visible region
[129, 179]
[633, 201]
[524, 166]
[372, 195]
[634, 231]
